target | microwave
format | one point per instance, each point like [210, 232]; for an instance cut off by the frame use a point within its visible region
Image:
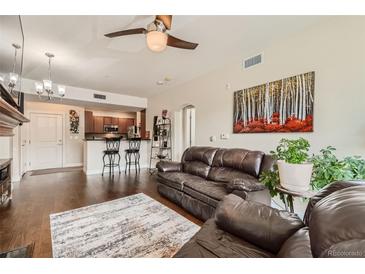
[110, 128]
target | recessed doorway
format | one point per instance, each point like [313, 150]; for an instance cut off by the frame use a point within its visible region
[188, 126]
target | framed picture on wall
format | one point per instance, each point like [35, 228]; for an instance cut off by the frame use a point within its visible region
[280, 106]
[74, 122]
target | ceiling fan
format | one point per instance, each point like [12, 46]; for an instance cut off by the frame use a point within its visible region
[156, 35]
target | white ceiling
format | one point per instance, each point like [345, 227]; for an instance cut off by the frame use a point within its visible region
[85, 58]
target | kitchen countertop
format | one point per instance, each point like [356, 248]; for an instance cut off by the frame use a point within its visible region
[103, 139]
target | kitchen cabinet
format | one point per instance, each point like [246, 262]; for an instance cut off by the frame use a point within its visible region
[121, 125]
[89, 122]
[129, 122]
[99, 124]
[108, 120]
[115, 121]
[124, 123]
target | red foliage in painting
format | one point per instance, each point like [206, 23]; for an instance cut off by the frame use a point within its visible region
[291, 124]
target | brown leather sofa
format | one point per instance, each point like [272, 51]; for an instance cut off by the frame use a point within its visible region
[199, 181]
[333, 226]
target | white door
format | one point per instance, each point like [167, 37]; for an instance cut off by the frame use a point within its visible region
[46, 140]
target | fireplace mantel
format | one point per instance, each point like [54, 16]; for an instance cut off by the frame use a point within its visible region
[10, 117]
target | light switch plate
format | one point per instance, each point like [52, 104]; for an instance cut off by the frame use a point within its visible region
[224, 136]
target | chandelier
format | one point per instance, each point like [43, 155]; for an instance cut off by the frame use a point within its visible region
[46, 85]
[13, 76]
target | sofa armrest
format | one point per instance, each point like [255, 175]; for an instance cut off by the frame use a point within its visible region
[327, 190]
[261, 225]
[260, 196]
[168, 166]
[268, 163]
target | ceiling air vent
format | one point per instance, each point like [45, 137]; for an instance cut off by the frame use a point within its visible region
[252, 61]
[99, 96]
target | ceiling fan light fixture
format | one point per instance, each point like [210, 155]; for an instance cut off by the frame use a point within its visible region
[156, 41]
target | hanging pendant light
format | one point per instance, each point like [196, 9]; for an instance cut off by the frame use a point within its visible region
[13, 76]
[47, 84]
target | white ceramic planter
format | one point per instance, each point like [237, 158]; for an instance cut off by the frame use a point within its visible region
[295, 177]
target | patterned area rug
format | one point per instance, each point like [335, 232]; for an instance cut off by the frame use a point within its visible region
[134, 226]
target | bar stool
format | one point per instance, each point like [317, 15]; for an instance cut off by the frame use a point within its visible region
[134, 145]
[112, 150]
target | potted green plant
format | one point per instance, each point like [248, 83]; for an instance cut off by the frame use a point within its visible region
[295, 170]
[328, 168]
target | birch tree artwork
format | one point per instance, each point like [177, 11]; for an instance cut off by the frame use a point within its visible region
[281, 106]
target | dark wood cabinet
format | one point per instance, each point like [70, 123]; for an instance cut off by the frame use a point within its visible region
[115, 121]
[121, 125]
[89, 122]
[124, 123]
[129, 122]
[108, 120]
[99, 124]
[95, 124]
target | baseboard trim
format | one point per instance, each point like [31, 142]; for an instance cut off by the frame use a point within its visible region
[15, 179]
[73, 165]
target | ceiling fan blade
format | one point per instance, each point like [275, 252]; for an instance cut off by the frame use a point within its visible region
[126, 32]
[166, 20]
[178, 43]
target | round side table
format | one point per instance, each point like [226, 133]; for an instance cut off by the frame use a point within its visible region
[288, 201]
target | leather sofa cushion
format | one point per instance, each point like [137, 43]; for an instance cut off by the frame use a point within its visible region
[196, 168]
[261, 225]
[176, 179]
[227, 174]
[201, 154]
[245, 185]
[262, 196]
[336, 218]
[297, 246]
[208, 192]
[212, 242]
[324, 192]
[241, 159]
[347, 249]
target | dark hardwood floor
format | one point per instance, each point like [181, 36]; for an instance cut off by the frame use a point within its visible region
[26, 218]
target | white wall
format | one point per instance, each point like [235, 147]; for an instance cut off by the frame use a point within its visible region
[333, 49]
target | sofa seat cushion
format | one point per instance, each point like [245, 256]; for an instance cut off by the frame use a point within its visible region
[227, 174]
[176, 179]
[245, 185]
[212, 242]
[208, 192]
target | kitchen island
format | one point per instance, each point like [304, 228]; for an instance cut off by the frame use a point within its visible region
[93, 155]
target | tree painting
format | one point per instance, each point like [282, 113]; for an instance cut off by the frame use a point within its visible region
[281, 106]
